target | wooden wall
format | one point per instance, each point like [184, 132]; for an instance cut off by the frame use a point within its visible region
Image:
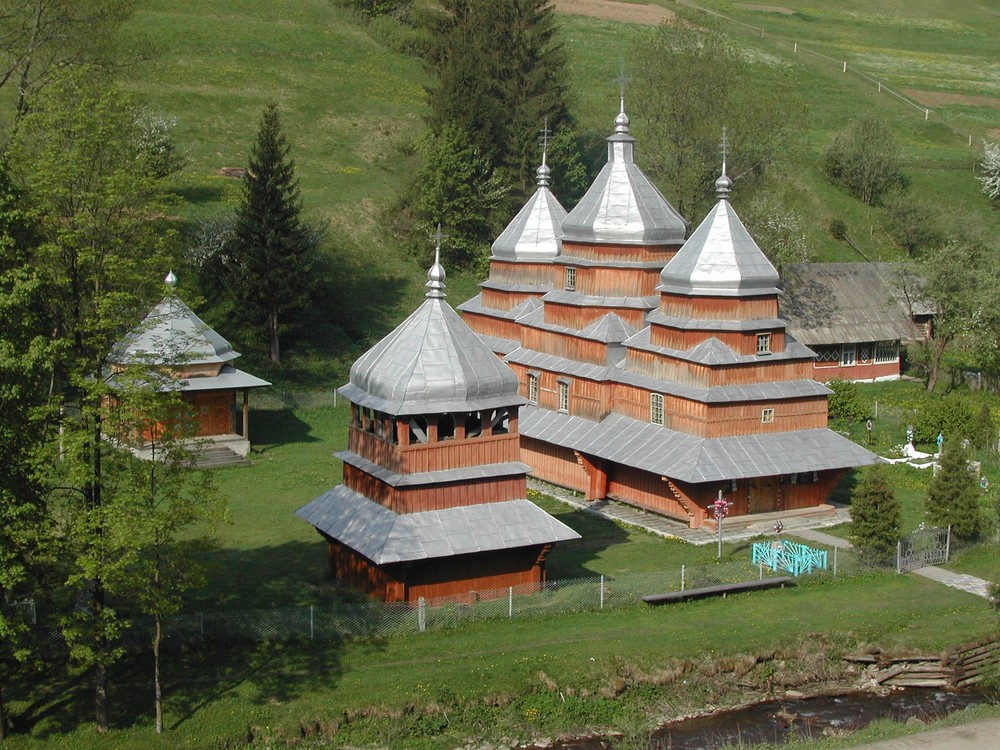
[688, 373]
[605, 281]
[579, 317]
[500, 300]
[719, 308]
[630, 253]
[490, 326]
[652, 492]
[414, 499]
[446, 454]
[554, 464]
[565, 345]
[520, 272]
[741, 342]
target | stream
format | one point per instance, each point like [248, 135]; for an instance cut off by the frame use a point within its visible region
[779, 720]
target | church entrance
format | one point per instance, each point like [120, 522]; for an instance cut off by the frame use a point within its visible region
[212, 410]
[763, 495]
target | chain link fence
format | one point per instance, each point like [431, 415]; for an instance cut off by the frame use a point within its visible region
[372, 620]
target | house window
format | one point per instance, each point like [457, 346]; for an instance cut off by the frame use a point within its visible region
[563, 396]
[767, 416]
[533, 389]
[827, 356]
[763, 343]
[865, 354]
[886, 351]
[848, 355]
[570, 278]
[731, 486]
[656, 408]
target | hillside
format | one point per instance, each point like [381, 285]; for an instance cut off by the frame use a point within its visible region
[353, 108]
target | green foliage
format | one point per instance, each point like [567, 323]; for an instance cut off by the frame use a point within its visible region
[864, 159]
[951, 416]
[953, 497]
[371, 9]
[679, 125]
[157, 145]
[497, 87]
[990, 168]
[846, 401]
[875, 515]
[570, 177]
[983, 430]
[913, 223]
[269, 264]
[459, 190]
[777, 229]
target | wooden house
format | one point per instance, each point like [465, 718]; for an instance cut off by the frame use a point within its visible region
[199, 362]
[434, 498]
[853, 316]
[657, 370]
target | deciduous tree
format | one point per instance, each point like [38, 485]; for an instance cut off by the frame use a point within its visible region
[270, 261]
[990, 168]
[864, 158]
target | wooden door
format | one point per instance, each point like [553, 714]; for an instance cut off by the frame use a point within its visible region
[763, 495]
[213, 413]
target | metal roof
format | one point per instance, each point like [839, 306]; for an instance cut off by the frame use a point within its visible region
[622, 206]
[712, 324]
[228, 379]
[689, 458]
[395, 479]
[712, 351]
[171, 334]
[431, 363]
[533, 234]
[836, 303]
[386, 537]
[720, 259]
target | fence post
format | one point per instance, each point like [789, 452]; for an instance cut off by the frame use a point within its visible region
[760, 571]
[834, 562]
[602, 592]
[421, 616]
[796, 47]
[510, 603]
[947, 545]
[682, 577]
[845, 66]
[312, 627]
[899, 555]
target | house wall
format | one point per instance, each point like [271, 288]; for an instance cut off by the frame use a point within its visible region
[830, 363]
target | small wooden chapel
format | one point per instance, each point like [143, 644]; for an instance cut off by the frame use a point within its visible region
[174, 340]
[657, 370]
[434, 498]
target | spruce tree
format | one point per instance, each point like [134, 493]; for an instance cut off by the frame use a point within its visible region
[271, 257]
[953, 498]
[875, 515]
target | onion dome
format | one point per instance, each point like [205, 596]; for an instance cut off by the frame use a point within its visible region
[720, 257]
[534, 233]
[622, 206]
[432, 363]
[171, 334]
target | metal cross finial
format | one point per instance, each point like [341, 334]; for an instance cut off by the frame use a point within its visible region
[725, 149]
[621, 80]
[437, 241]
[546, 134]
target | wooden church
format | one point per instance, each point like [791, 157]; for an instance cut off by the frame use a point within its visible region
[198, 361]
[657, 370]
[434, 498]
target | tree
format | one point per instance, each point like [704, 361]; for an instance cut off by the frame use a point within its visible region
[95, 202]
[983, 432]
[953, 497]
[38, 38]
[679, 125]
[875, 515]
[269, 266]
[991, 170]
[501, 72]
[914, 224]
[777, 229]
[460, 191]
[864, 159]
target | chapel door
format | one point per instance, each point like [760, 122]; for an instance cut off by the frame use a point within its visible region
[763, 495]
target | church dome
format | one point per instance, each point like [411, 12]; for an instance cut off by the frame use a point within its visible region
[622, 206]
[432, 363]
[534, 233]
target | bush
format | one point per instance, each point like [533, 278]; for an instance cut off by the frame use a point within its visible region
[846, 401]
[864, 159]
[950, 416]
[399, 37]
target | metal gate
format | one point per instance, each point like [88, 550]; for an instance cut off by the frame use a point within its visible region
[922, 548]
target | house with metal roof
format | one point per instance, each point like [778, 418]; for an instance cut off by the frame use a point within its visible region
[657, 370]
[198, 362]
[853, 316]
[434, 499]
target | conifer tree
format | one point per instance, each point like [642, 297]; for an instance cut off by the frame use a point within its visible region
[953, 498]
[875, 515]
[270, 261]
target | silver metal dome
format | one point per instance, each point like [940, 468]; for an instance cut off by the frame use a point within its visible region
[171, 334]
[622, 206]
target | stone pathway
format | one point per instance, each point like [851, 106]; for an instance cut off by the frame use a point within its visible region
[976, 735]
[802, 527]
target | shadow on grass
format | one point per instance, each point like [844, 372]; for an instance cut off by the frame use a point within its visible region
[199, 194]
[569, 559]
[269, 427]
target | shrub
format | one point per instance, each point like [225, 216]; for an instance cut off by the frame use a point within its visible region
[950, 416]
[846, 401]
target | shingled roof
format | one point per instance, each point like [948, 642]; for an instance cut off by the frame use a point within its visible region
[834, 303]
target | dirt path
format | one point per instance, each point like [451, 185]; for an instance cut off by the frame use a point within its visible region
[977, 735]
[611, 10]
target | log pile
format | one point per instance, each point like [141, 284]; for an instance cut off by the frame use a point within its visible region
[959, 668]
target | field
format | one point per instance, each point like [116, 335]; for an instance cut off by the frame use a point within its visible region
[352, 109]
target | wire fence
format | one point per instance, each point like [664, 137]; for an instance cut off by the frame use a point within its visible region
[274, 399]
[374, 620]
[847, 68]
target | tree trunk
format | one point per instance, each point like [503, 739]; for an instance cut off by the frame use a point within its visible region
[157, 634]
[3, 718]
[934, 366]
[272, 330]
[101, 697]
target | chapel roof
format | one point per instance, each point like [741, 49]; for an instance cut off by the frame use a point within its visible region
[533, 234]
[720, 258]
[431, 363]
[622, 206]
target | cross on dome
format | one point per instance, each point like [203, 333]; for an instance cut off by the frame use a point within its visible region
[724, 185]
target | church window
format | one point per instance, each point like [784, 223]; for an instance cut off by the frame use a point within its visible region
[763, 343]
[563, 396]
[533, 388]
[656, 408]
[570, 278]
[767, 416]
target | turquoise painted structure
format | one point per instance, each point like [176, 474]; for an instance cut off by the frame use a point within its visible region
[791, 556]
